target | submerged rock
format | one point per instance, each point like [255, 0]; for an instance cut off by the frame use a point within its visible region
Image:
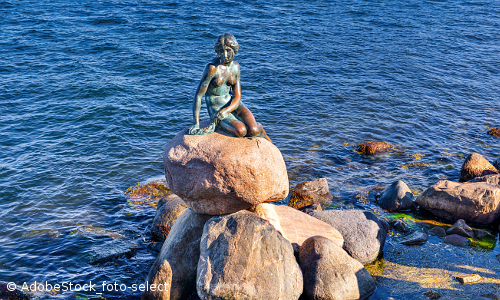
[494, 131]
[218, 174]
[7, 294]
[364, 236]
[456, 240]
[461, 228]
[169, 209]
[309, 193]
[496, 163]
[416, 238]
[396, 197]
[476, 165]
[373, 147]
[110, 251]
[477, 202]
[295, 225]
[176, 264]
[438, 231]
[330, 273]
[245, 257]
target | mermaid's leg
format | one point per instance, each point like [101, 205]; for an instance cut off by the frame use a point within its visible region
[234, 127]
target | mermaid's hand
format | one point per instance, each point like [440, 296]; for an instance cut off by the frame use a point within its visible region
[221, 115]
[194, 129]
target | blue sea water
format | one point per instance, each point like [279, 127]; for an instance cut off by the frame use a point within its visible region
[91, 92]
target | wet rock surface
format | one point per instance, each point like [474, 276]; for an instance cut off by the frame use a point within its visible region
[364, 236]
[416, 238]
[476, 165]
[461, 228]
[218, 174]
[244, 257]
[310, 193]
[373, 147]
[330, 273]
[456, 240]
[438, 231]
[396, 197]
[7, 294]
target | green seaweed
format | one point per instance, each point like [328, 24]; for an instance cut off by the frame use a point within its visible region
[485, 243]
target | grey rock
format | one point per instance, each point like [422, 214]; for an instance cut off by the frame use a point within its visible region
[169, 209]
[437, 231]
[477, 202]
[364, 236]
[481, 233]
[330, 273]
[461, 228]
[396, 197]
[178, 259]
[245, 257]
[401, 226]
[385, 224]
[456, 240]
[416, 238]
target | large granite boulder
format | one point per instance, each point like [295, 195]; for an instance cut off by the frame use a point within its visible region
[477, 202]
[364, 236]
[245, 257]
[309, 193]
[176, 264]
[295, 225]
[476, 165]
[397, 196]
[169, 209]
[330, 273]
[218, 174]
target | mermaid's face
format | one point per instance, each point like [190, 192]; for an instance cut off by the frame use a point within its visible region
[226, 54]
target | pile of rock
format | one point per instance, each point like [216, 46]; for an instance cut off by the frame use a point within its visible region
[224, 241]
[476, 201]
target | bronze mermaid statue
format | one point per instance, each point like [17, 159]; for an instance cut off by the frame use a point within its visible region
[220, 84]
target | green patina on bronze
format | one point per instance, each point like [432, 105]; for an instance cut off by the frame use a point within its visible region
[220, 84]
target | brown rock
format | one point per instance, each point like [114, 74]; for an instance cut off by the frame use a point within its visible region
[476, 165]
[169, 209]
[244, 257]
[330, 273]
[219, 174]
[456, 240]
[309, 193]
[307, 209]
[494, 131]
[295, 225]
[178, 259]
[461, 228]
[474, 202]
[373, 147]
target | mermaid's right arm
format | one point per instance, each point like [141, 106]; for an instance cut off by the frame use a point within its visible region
[208, 74]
